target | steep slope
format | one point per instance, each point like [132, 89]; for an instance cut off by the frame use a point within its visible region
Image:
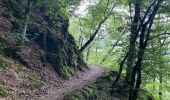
[46, 43]
[47, 57]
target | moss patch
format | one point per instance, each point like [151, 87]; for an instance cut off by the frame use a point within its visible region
[3, 63]
[4, 90]
[95, 90]
[34, 84]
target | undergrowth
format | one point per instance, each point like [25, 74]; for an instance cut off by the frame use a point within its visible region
[34, 84]
[3, 63]
[4, 90]
[97, 90]
[102, 89]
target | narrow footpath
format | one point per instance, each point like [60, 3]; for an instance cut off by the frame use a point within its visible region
[76, 82]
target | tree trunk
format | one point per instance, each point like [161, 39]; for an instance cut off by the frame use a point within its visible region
[120, 69]
[133, 38]
[26, 19]
[136, 76]
[97, 30]
[110, 51]
[160, 86]
[87, 55]
[93, 36]
[145, 30]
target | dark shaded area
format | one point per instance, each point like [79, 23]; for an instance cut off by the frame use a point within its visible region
[48, 41]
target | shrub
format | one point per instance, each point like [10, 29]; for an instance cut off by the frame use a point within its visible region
[3, 63]
[4, 91]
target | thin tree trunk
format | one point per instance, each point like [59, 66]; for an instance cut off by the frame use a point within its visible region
[81, 35]
[154, 82]
[109, 51]
[88, 53]
[160, 86]
[45, 47]
[97, 30]
[93, 36]
[120, 69]
[27, 15]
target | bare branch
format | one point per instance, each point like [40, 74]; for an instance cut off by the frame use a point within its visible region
[147, 12]
[151, 19]
[153, 37]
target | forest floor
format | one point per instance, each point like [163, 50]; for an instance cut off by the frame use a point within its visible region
[74, 83]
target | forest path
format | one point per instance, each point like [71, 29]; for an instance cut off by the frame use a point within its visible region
[76, 82]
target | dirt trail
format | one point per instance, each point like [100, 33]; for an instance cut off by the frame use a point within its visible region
[76, 82]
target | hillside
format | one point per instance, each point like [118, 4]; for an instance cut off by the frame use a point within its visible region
[84, 49]
[47, 57]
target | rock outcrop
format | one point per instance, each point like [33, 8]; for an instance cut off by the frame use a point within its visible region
[46, 44]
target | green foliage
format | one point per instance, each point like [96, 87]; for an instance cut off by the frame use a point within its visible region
[145, 95]
[3, 63]
[16, 40]
[96, 90]
[3, 44]
[35, 84]
[3, 41]
[56, 7]
[71, 2]
[156, 60]
[4, 91]
[18, 68]
[65, 74]
[82, 27]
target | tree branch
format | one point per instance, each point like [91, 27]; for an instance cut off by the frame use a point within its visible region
[144, 17]
[121, 68]
[151, 19]
[110, 51]
[96, 31]
[158, 35]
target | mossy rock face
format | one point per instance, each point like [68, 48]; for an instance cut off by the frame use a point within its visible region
[52, 38]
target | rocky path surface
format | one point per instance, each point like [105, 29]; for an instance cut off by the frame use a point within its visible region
[76, 82]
